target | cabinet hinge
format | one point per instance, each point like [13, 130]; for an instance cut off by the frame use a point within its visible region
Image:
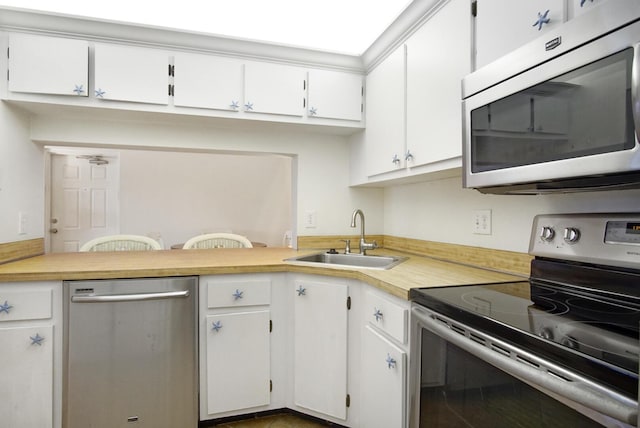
[172, 70]
[304, 85]
[270, 386]
[270, 326]
[348, 302]
[474, 8]
[172, 90]
[7, 52]
[348, 401]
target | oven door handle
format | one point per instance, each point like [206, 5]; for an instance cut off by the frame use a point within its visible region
[530, 368]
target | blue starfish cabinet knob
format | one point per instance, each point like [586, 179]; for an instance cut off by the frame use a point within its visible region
[216, 325]
[79, 89]
[5, 307]
[234, 105]
[582, 2]
[238, 294]
[542, 19]
[377, 314]
[248, 106]
[313, 111]
[391, 362]
[99, 93]
[301, 291]
[37, 339]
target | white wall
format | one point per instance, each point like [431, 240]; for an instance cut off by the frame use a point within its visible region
[442, 211]
[21, 177]
[182, 194]
[320, 160]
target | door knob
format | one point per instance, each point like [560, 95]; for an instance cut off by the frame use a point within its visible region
[53, 230]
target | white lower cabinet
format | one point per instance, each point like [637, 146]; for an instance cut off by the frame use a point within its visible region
[320, 346]
[237, 361]
[384, 360]
[235, 349]
[30, 355]
[383, 387]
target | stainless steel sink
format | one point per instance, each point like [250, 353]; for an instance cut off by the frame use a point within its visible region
[351, 260]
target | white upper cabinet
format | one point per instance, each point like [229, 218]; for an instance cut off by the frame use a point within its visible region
[133, 74]
[205, 81]
[274, 89]
[434, 118]
[48, 65]
[335, 95]
[504, 25]
[385, 115]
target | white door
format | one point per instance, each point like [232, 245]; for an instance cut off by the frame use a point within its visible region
[335, 95]
[205, 81]
[48, 65]
[274, 89]
[238, 363]
[134, 74]
[320, 347]
[84, 201]
[26, 395]
[383, 382]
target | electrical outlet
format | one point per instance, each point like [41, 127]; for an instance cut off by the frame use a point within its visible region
[482, 222]
[23, 222]
[310, 219]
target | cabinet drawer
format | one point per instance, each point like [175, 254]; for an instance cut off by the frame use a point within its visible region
[238, 293]
[387, 316]
[25, 305]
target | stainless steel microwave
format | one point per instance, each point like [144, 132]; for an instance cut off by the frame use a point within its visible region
[561, 113]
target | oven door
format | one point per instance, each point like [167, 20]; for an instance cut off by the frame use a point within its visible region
[465, 378]
[570, 117]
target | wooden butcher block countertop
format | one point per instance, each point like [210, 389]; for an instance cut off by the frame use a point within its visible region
[417, 271]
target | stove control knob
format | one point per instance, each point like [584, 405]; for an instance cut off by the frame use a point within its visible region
[547, 233]
[571, 235]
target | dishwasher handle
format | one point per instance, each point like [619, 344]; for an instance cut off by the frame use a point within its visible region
[108, 298]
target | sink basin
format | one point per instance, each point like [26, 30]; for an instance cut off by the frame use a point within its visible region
[351, 260]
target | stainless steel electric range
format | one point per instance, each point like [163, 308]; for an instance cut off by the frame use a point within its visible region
[558, 350]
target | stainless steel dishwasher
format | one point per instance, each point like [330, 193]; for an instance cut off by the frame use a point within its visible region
[130, 353]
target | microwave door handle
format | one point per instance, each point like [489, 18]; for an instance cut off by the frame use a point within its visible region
[532, 369]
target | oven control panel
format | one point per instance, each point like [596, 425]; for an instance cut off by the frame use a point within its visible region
[607, 239]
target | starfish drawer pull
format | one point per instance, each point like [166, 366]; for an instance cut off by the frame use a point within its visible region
[238, 294]
[36, 340]
[217, 325]
[301, 291]
[5, 307]
[391, 362]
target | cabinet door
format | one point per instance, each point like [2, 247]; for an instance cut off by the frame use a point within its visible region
[238, 363]
[26, 391]
[335, 95]
[434, 114]
[320, 347]
[131, 74]
[385, 115]
[205, 81]
[48, 65]
[504, 25]
[383, 382]
[274, 89]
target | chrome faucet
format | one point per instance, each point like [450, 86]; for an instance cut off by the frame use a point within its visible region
[364, 245]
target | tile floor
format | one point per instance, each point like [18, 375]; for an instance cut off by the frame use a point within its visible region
[275, 421]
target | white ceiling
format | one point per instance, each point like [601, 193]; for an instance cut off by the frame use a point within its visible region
[343, 26]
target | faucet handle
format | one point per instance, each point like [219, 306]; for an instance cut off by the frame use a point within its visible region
[347, 247]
